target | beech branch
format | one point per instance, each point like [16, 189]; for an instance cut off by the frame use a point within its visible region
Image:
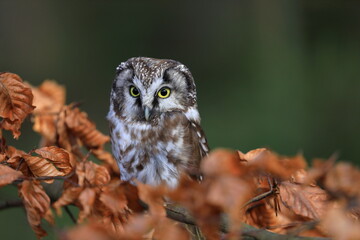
[248, 232]
[180, 214]
[11, 204]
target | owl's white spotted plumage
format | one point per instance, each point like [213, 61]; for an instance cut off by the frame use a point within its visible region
[154, 122]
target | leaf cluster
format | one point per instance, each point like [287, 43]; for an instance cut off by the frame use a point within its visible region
[260, 188]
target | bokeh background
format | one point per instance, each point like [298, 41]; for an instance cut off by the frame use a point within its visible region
[277, 74]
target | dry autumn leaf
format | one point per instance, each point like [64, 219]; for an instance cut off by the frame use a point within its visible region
[37, 205]
[114, 198]
[91, 231]
[54, 161]
[343, 180]
[222, 162]
[86, 200]
[16, 102]
[307, 201]
[80, 125]
[96, 175]
[263, 160]
[69, 196]
[59, 158]
[153, 196]
[16, 160]
[338, 224]
[49, 98]
[8, 175]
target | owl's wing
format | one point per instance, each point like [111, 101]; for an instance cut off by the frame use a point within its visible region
[201, 139]
[200, 149]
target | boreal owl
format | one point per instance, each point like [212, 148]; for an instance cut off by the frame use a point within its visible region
[154, 121]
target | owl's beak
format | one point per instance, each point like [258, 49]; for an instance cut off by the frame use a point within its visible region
[147, 113]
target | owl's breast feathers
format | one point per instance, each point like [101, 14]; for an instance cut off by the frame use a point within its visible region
[155, 154]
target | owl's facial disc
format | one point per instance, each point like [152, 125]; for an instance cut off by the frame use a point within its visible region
[144, 92]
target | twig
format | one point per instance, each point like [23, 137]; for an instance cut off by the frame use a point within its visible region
[71, 215]
[273, 190]
[180, 214]
[11, 204]
[44, 178]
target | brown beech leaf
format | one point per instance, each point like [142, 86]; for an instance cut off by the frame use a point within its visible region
[16, 160]
[91, 231]
[230, 193]
[87, 200]
[64, 139]
[45, 125]
[95, 174]
[16, 102]
[41, 167]
[253, 154]
[107, 158]
[307, 201]
[264, 160]
[114, 198]
[8, 175]
[343, 180]
[167, 229]
[13, 126]
[193, 196]
[222, 162]
[263, 215]
[49, 98]
[340, 226]
[37, 205]
[80, 125]
[69, 195]
[153, 196]
[58, 157]
[139, 227]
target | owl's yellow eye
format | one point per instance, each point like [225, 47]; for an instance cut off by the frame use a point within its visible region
[164, 92]
[134, 91]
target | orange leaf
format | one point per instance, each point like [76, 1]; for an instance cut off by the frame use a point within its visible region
[49, 98]
[87, 200]
[340, 226]
[70, 195]
[343, 180]
[306, 201]
[91, 231]
[16, 102]
[267, 161]
[153, 196]
[167, 229]
[107, 158]
[80, 125]
[222, 162]
[58, 156]
[96, 174]
[37, 205]
[16, 160]
[114, 198]
[8, 175]
[230, 194]
[41, 167]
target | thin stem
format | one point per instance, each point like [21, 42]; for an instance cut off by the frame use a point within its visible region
[71, 215]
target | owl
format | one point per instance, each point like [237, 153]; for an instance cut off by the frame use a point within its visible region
[154, 122]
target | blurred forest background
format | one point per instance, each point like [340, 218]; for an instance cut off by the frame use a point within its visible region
[278, 74]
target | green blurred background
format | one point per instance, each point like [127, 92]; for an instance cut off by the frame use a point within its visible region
[278, 74]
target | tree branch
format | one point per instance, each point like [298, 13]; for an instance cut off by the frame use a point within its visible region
[180, 214]
[11, 204]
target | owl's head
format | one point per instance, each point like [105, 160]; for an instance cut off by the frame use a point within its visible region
[145, 88]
